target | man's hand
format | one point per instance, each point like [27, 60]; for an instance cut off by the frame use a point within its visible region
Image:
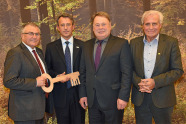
[121, 104]
[83, 102]
[146, 85]
[65, 79]
[40, 81]
[61, 74]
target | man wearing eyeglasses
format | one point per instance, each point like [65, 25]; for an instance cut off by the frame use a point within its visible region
[23, 67]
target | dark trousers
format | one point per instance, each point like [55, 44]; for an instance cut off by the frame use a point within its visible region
[99, 116]
[72, 113]
[147, 110]
[30, 122]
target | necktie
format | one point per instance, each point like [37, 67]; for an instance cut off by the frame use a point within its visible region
[98, 54]
[68, 62]
[41, 68]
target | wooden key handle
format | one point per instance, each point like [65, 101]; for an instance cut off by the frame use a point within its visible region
[50, 88]
[74, 79]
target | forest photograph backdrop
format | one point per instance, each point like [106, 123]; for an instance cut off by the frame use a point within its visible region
[125, 17]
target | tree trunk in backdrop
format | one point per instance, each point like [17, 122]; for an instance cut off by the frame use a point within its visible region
[146, 5]
[54, 17]
[25, 13]
[93, 10]
[45, 30]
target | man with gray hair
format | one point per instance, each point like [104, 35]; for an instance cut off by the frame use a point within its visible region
[23, 70]
[157, 65]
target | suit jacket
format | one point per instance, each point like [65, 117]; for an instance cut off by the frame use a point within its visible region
[112, 79]
[26, 101]
[56, 64]
[168, 68]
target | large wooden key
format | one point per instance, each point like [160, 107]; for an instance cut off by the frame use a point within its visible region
[74, 79]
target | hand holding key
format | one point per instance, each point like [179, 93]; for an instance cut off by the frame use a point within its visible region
[73, 77]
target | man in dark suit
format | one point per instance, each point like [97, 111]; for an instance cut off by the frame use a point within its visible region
[66, 98]
[157, 65]
[105, 84]
[22, 75]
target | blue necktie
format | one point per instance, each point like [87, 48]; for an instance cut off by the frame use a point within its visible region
[68, 62]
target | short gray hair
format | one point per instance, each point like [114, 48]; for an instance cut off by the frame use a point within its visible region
[152, 12]
[31, 24]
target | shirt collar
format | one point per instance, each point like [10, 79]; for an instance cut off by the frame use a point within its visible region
[104, 40]
[70, 40]
[29, 48]
[155, 39]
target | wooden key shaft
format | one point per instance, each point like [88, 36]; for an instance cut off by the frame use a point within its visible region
[74, 79]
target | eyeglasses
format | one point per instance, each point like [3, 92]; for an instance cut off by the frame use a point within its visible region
[32, 34]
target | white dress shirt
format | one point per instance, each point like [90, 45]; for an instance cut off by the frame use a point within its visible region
[70, 45]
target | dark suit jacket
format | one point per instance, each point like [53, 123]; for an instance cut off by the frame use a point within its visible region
[112, 80]
[56, 64]
[26, 101]
[168, 68]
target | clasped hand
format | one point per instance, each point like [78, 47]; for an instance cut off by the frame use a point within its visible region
[146, 85]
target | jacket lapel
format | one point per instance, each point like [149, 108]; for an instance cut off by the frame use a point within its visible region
[60, 50]
[109, 45]
[76, 49]
[91, 52]
[140, 53]
[29, 56]
[161, 45]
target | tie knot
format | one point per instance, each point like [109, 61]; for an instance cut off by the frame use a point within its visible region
[33, 51]
[100, 42]
[67, 42]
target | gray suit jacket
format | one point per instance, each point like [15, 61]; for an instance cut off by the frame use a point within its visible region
[112, 80]
[26, 101]
[168, 68]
